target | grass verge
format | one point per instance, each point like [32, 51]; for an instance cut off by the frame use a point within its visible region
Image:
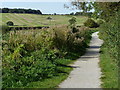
[109, 69]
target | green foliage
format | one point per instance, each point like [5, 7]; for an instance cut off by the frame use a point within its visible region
[49, 18]
[72, 22]
[84, 14]
[10, 23]
[91, 23]
[105, 10]
[72, 13]
[99, 22]
[21, 71]
[30, 56]
[4, 28]
[84, 6]
[67, 40]
[109, 32]
[109, 69]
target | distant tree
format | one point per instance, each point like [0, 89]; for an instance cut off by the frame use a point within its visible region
[72, 13]
[78, 13]
[39, 12]
[49, 18]
[0, 10]
[55, 14]
[5, 10]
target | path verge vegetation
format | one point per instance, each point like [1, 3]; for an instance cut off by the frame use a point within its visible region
[38, 55]
[109, 32]
[109, 69]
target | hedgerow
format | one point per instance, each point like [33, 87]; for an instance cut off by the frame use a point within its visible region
[34, 55]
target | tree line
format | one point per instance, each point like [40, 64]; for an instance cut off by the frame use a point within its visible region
[82, 14]
[19, 10]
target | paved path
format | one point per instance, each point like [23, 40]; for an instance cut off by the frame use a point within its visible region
[87, 72]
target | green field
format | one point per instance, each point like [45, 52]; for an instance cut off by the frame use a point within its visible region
[38, 20]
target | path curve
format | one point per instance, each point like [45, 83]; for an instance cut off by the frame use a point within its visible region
[87, 72]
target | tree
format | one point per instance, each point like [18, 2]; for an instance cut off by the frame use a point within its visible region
[82, 6]
[72, 22]
[72, 13]
[5, 10]
[105, 10]
[55, 14]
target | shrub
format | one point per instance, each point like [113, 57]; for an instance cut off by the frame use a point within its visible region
[109, 32]
[72, 22]
[49, 18]
[74, 30]
[65, 39]
[10, 23]
[5, 29]
[20, 71]
[91, 23]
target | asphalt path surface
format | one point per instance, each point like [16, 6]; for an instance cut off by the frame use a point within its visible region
[86, 72]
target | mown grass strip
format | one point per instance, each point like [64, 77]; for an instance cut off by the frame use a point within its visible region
[17, 20]
[33, 19]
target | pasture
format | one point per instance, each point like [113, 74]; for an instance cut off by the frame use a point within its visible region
[39, 20]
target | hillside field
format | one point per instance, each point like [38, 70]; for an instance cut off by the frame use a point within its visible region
[38, 20]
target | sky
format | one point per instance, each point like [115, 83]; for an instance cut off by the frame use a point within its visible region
[45, 6]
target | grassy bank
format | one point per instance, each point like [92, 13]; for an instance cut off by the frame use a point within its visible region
[109, 69]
